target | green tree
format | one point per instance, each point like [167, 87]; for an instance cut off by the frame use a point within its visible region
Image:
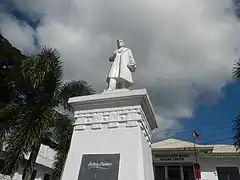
[25, 126]
[236, 125]
[10, 62]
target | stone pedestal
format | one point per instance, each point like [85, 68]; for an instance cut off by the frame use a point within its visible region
[112, 137]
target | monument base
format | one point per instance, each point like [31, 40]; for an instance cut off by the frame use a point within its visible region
[112, 137]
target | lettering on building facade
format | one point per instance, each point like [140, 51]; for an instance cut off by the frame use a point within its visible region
[174, 157]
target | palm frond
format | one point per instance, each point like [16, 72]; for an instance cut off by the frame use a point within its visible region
[9, 117]
[63, 132]
[71, 89]
[236, 70]
[236, 131]
[27, 134]
[46, 62]
[37, 121]
[44, 74]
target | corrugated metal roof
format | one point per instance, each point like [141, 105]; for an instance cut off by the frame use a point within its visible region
[171, 143]
[175, 144]
[223, 148]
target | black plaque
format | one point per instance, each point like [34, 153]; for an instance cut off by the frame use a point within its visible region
[99, 167]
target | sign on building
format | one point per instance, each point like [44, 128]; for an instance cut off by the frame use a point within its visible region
[173, 158]
[99, 167]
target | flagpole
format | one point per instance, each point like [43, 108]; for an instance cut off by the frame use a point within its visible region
[194, 146]
[195, 152]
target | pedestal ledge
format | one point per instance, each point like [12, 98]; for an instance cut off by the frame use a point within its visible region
[122, 98]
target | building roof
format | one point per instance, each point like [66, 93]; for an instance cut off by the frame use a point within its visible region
[175, 144]
[223, 148]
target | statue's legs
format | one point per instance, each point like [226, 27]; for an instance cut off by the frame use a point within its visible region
[122, 84]
[117, 83]
[112, 84]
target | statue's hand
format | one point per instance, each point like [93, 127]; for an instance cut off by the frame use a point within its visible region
[111, 59]
[132, 67]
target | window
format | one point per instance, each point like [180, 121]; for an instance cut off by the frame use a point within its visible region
[46, 177]
[159, 173]
[33, 174]
[174, 173]
[188, 173]
[228, 173]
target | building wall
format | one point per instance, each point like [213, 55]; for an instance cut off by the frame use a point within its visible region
[41, 171]
[4, 177]
[147, 159]
[107, 141]
[208, 165]
[45, 156]
[43, 164]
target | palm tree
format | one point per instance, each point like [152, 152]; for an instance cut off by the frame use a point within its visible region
[236, 125]
[24, 126]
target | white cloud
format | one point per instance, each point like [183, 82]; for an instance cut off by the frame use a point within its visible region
[165, 124]
[18, 33]
[183, 49]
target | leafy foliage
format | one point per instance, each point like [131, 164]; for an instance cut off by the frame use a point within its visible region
[236, 125]
[236, 70]
[63, 132]
[25, 126]
[236, 129]
[10, 62]
[71, 89]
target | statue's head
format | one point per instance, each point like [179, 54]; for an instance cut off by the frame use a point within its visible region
[120, 43]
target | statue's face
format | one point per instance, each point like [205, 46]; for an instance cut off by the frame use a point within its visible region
[120, 43]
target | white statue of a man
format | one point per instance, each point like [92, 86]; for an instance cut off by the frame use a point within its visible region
[123, 65]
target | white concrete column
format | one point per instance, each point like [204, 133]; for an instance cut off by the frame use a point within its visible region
[166, 172]
[181, 172]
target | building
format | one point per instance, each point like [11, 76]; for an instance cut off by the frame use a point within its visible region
[43, 165]
[173, 160]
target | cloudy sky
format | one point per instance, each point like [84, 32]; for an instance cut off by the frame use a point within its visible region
[184, 50]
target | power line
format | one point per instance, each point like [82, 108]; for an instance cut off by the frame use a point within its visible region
[205, 129]
[218, 140]
[189, 130]
[213, 137]
[204, 143]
